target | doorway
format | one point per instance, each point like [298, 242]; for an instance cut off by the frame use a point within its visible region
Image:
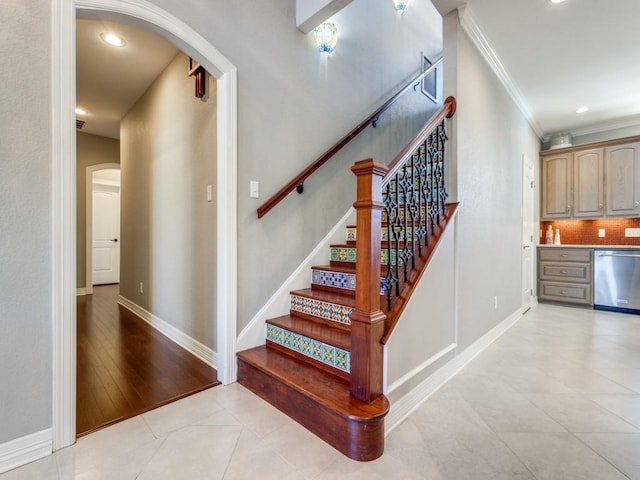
[168, 232]
[102, 225]
[64, 173]
[528, 256]
[105, 227]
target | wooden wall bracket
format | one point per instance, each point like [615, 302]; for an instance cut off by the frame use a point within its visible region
[196, 70]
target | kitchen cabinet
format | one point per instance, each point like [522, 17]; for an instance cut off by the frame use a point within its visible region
[591, 181]
[556, 186]
[622, 173]
[565, 275]
[588, 183]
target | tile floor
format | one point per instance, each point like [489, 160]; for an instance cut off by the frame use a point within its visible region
[556, 397]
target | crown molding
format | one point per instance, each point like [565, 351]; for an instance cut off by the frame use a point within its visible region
[472, 29]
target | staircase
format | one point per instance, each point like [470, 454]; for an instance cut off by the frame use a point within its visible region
[322, 363]
[304, 367]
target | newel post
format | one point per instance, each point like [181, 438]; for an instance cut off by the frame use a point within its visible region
[367, 321]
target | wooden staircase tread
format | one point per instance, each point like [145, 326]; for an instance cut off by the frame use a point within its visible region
[326, 296]
[336, 268]
[324, 388]
[337, 337]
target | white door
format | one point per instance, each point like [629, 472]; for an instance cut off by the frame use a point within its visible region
[527, 232]
[106, 234]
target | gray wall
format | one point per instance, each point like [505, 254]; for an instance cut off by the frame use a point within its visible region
[90, 150]
[492, 137]
[25, 216]
[427, 325]
[489, 138]
[168, 156]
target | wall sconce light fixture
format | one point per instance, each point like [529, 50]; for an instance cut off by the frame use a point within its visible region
[401, 5]
[326, 37]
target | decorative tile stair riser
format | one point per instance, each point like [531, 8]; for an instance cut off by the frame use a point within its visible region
[352, 235]
[320, 309]
[348, 254]
[398, 215]
[344, 281]
[322, 352]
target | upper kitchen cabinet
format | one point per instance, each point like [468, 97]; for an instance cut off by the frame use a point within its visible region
[588, 183]
[591, 181]
[622, 174]
[556, 186]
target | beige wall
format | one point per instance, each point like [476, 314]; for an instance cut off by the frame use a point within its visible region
[90, 150]
[168, 157]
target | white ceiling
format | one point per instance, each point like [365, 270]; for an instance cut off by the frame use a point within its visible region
[109, 80]
[564, 56]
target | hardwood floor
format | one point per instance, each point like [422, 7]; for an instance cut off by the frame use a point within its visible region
[126, 367]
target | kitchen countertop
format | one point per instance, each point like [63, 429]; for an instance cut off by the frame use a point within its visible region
[596, 247]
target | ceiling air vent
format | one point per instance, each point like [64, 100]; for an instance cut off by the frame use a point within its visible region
[79, 124]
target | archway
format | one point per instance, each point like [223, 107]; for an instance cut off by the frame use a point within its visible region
[145, 15]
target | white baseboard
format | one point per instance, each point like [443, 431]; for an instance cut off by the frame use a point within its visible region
[254, 333]
[408, 376]
[81, 291]
[193, 346]
[25, 450]
[403, 407]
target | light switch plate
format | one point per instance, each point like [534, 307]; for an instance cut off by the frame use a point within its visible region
[254, 189]
[601, 232]
[632, 232]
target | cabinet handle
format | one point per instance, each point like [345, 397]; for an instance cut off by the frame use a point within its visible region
[600, 207]
[564, 272]
[563, 292]
[564, 255]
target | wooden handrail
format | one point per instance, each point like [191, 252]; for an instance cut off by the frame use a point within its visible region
[307, 172]
[448, 110]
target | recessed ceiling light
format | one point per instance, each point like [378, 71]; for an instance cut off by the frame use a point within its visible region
[557, 1]
[81, 111]
[113, 39]
[582, 110]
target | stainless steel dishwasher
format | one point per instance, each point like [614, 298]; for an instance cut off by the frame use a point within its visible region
[616, 280]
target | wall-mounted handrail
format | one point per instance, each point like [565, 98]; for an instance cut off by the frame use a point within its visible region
[307, 172]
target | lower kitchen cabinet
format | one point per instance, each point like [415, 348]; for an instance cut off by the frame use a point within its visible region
[565, 275]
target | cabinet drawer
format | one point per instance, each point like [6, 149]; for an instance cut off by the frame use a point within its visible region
[565, 254]
[570, 272]
[565, 292]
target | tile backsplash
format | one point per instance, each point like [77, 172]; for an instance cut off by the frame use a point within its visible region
[585, 232]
